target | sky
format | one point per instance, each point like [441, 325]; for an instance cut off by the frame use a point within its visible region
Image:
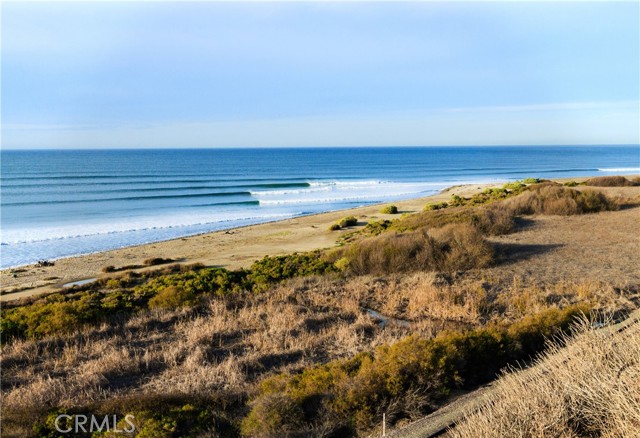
[222, 74]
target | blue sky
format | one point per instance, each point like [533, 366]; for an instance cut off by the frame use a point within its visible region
[208, 74]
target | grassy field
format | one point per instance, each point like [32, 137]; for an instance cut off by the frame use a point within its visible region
[404, 313]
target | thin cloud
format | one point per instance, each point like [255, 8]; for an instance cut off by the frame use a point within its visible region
[558, 106]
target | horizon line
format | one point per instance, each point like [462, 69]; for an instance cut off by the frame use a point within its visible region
[13, 149]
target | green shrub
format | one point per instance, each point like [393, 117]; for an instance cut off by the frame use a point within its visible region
[348, 221]
[531, 180]
[570, 184]
[435, 206]
[335, 227]
[272, 270]
[274, 415]
[64, 312]
[151, 419]
[389, 209]
[591, 201]
[377, 227]
[456, 200]
[515, 186]
[172, 297]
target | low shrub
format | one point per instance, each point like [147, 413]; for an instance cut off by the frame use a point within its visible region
[172, 297]
[456, 200]
[557, 200]
[169, 416]
[516, 186]
[108, 269]
[531, 180]
[463, 248]
[348, 221]
[435, 206]
[270, 270]
[377, 227]
[610, 181]
[65, 312]
[454, 247]
[157, 261]
[494, 220]
[335, 227]
[389, 209]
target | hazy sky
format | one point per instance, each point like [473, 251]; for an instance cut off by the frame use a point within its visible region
[201, 74]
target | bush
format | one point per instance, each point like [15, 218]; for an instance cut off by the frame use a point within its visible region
[64, 312]
[456, 200]
[435, 206]
[272, 270]
[591, 201]
[172, 297]
[157, 261]
[453, 247]
[377, 227]
[515, 186]
[464, 248]
[556, 200]
[389, 209]
[610, 181]
[348, 221]
[494, 220]
[108, 269]
[571, 184]
[273, 415]
[531, 180]
[335, 227]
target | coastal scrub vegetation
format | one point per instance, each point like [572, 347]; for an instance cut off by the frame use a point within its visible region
[587, 385]
[408, 377]
[612, 181]
[452, 247]
[318, 343]
[389, 209]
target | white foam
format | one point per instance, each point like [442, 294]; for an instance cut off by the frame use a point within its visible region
[332, 192]
[44, 234]
[620, 169]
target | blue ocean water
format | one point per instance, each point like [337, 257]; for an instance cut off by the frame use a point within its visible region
[62, 203]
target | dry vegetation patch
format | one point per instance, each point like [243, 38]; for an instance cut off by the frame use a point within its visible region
[588, 385]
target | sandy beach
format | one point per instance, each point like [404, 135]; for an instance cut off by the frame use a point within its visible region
[232, 249]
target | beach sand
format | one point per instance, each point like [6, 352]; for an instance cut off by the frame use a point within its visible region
[232, 249]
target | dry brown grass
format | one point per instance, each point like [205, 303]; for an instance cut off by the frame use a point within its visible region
[585, 386]
[611, 181]
[562, 201]
[450, 248]
[230, 345]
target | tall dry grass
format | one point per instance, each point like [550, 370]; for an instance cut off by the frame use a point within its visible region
[612, 181]
[588, 385]
[450, 248]
[562, 201]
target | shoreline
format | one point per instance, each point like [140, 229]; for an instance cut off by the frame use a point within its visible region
[231, 248]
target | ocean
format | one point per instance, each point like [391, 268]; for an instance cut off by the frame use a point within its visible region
[69, 202]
